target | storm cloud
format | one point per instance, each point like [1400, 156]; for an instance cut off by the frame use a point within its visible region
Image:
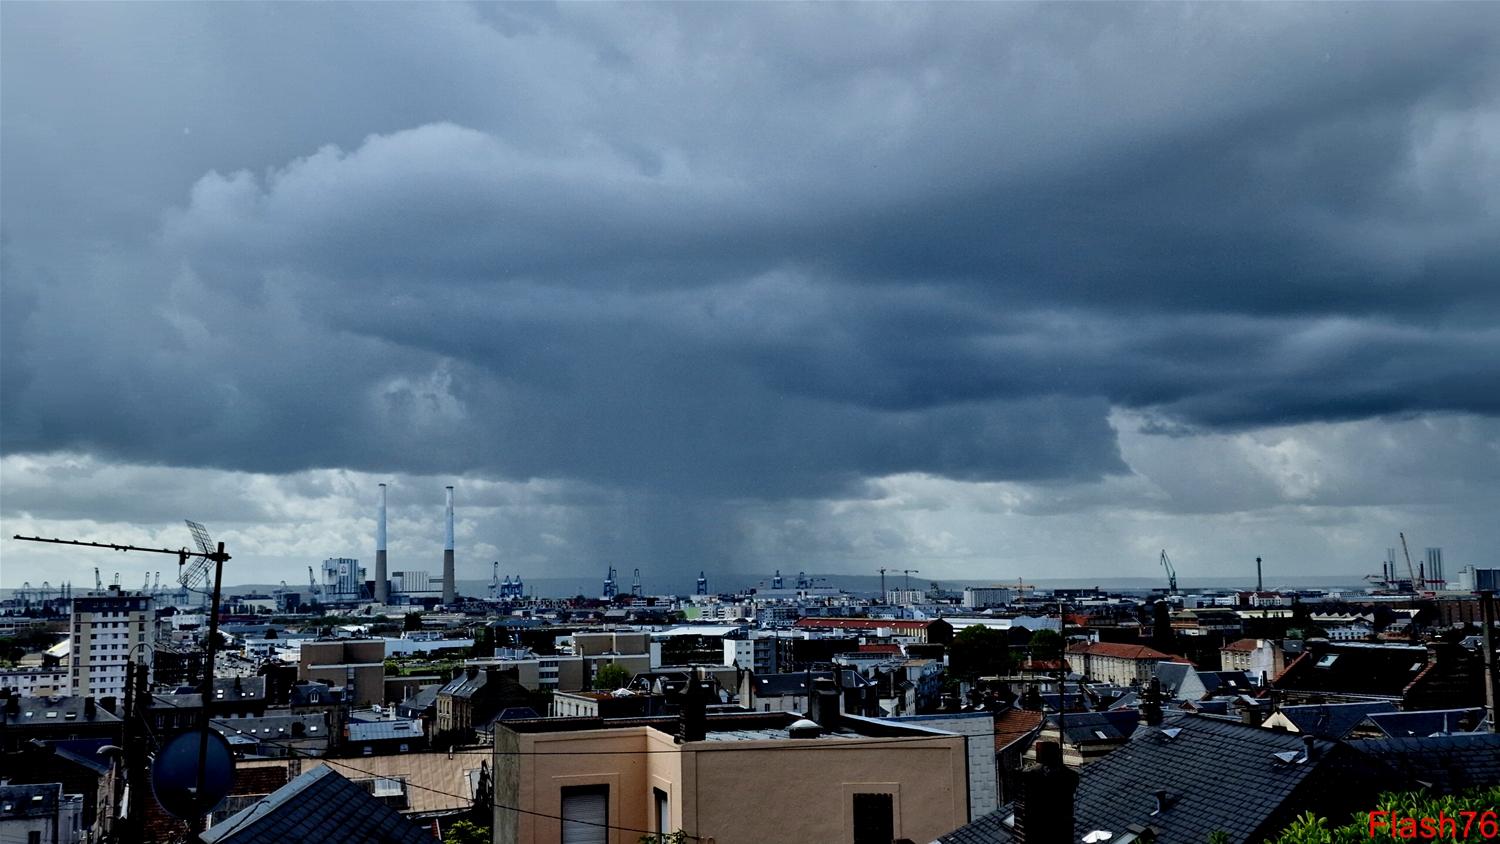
[732, 275]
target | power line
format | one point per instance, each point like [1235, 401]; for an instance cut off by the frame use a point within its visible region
[299, 754]
[467, 799]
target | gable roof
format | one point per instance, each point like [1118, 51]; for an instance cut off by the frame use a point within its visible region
[317, 806]
[1332, 720]
[1172, 676]
[1014, 725]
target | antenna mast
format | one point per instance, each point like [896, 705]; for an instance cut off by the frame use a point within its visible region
[192, 568]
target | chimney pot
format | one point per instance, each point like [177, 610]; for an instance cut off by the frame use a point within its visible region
[823, 704]
[1309, 747]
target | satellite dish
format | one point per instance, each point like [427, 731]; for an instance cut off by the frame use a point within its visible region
[179, 787]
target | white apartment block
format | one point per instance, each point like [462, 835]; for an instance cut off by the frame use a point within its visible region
[109, 629]
[984, 597]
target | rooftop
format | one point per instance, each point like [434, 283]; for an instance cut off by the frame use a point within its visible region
[317, 806]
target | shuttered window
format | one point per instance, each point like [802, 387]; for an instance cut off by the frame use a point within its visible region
[874, 819]
[585, 811]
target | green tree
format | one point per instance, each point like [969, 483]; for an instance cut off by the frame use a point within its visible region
[611, 677]
[678, 837]
[1393, 813]
[978, 651]
[1046, 644]
[412, 621]
[467, 832]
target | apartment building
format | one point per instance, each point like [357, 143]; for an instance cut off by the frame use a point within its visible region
[35, 682]
[741, 778]
[109, 629]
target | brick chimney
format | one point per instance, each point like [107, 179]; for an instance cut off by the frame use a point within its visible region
[692, 712]
[824, 704]
[1044, 804]
[1151, 711]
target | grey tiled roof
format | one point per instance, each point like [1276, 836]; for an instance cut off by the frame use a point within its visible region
[1426, 723]
[29, 801]
[1086, 727]
[319, 807]
[382, 730]
[1218, 775]
[1333, 720]
[1443, 763]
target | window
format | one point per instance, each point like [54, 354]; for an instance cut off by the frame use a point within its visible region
[663, 814]
[874, 819]
[585, 811]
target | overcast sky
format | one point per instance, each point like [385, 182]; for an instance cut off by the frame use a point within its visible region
[984, 290]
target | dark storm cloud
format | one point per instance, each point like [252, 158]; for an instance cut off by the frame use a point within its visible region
[741, 252]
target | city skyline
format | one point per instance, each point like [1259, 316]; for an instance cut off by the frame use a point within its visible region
[973, 289]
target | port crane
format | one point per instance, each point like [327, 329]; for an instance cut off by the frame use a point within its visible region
[1166, 563]
[1416, 582]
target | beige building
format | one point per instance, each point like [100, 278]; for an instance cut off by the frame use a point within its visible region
[358, 664]
[109, 629]
[1256, 657]
[743, 778]
[1111, 662]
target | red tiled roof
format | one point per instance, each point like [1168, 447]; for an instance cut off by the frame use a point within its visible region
[1240, 645]
[862, 623]
[879, 649]
[1013, 724]
[1118, 651]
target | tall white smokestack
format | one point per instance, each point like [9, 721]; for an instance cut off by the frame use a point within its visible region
[449, 591]
[382, 583]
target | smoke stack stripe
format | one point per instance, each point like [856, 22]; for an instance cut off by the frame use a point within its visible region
[382, 584]
[449, 592]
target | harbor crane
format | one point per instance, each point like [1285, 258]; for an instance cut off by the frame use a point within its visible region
[1416, 582]
[1166, 563]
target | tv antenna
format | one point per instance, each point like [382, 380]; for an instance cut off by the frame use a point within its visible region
[210, 785]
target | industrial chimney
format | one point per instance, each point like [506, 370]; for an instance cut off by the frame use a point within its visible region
[382, 583]
[449, 596]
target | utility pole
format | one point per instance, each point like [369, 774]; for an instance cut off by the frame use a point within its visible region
[1491, 670]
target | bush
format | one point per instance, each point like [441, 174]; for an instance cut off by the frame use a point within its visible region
[1393, 816]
